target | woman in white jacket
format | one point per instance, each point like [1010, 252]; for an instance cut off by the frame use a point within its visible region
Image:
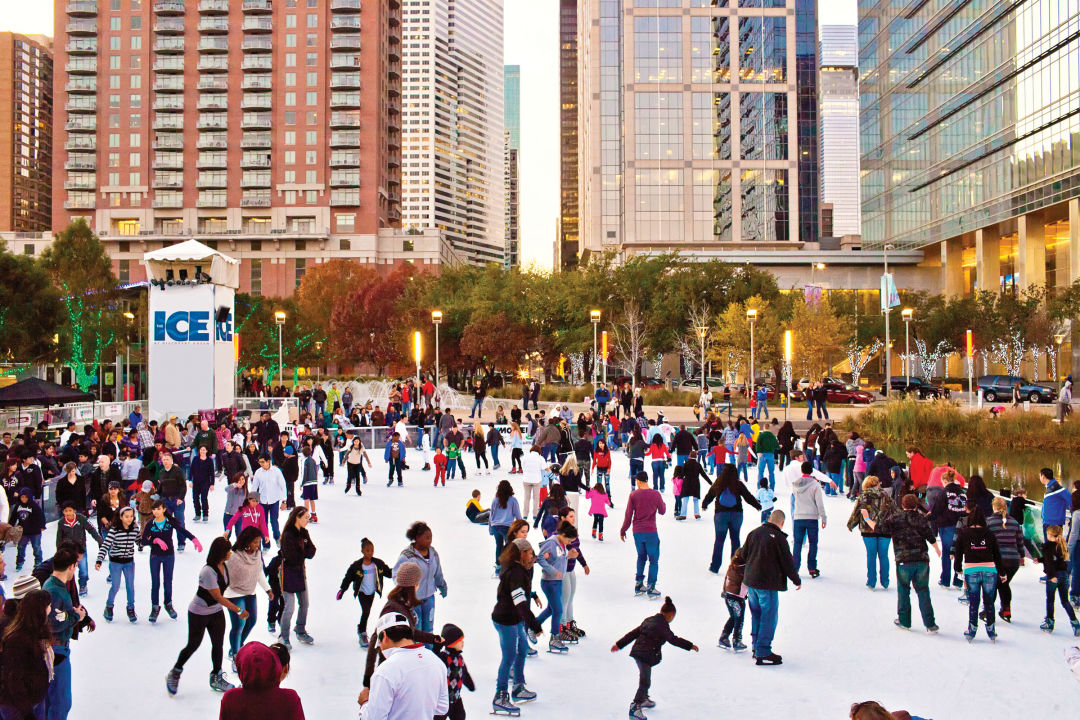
[245, 573]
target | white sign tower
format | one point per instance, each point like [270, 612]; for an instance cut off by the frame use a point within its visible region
[191, 352]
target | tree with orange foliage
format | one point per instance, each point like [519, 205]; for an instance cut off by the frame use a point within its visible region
[366, 324]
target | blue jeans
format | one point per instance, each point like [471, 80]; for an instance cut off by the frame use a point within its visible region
[725, 522]
[58, 698]
[84, 570]
[477, 408]
[494, 455]
[240, 629]
[805, 529]
[175, 507]
[1074, 565]
[740, 467]
[10, 712]
[648, 547]
[425, 614]
[877, 554]
[34, 541]
[982, 584]
[809, 408]
[680, 460]
[392, 467]
[552, 590]
[917, 574]
[161, 565]
[658, 467]
[684, 505]
[948, 536]
[127, 572]
[513, 647]
[271, 512]
[762, 409]
[764, 610]
[200, 499]
[767, 460]
[499, 533]
[636, 465]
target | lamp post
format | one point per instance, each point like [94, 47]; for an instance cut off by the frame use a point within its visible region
[751, 316]
[417, 353]
[787, 371]
[318, 368]
[127, 358]
[907, 313]
[436, 319]
[970, 366]
[279, 318]
[594, 315]
[885, 306]
[815, 266]
[604, 352]
[702, 330]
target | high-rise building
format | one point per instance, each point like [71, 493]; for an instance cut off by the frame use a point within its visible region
[839, 106]
[970, 139]
[698, 124]
[512, 115]
[454, 145]
[26, 127]
[568, 135]
[274, 123]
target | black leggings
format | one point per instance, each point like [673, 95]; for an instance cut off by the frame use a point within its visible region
[515, 458]
[1005, 588]
[644, 682]
[214, 624]
[365, 606]
[598, 523]
[481, 454]
[354, 470]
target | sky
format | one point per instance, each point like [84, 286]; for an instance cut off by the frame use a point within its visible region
[531, 40]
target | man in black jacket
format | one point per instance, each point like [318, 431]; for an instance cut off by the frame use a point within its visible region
[911, 532]
[173, 489]
[266, 430]
[769, 565]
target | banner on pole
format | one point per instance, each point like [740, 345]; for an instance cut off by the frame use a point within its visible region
[890, 298]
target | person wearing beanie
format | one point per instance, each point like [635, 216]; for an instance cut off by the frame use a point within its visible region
[27, 514]
[457, 674]
[259, 697]
[512, 615]
[144, 502]
[251, 514]
[236, 493]
[649, 639]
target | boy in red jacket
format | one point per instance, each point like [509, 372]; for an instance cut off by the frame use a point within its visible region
[440, 467]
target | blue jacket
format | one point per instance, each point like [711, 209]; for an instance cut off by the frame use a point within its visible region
[401, 450]
[431, 575]
[602, 395]
[1057, 502]
[552, 558]
[504, 516]
[62, 617]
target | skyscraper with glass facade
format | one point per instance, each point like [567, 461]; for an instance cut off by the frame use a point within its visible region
[970, 136]
[512, 115]
[698, 124]
[839, 112]
[567, 250]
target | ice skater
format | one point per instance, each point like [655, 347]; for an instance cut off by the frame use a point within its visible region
[366, 577]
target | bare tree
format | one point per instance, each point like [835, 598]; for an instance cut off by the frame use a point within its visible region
[1010, 352]
[928, 359]
[859, 357]
[628, 339]
[690, 343]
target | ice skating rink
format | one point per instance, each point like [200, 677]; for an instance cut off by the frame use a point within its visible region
[837, 639]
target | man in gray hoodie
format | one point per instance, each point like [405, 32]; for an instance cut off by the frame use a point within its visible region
[809, 510]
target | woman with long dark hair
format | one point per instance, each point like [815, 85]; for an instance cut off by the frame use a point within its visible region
[26, 659]
[296, 550]
[206, 616]
[245, 573]
[728, 492]
[504, 511]
[512, 615]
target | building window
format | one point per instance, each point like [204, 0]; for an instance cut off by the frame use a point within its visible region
[312, 20]
[256, 276]
[346, 222]
[124, 271]
[658, 48]
[712, 126]
[290, 79]
[290, 21]
[762, 49]
[710, 49]
[659, 205]
[658, 123]
[301, 268]
[763, 122]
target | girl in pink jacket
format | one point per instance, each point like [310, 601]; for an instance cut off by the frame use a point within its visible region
[251, 515]
[599, 502]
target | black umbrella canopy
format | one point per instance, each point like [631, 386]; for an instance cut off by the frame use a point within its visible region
[32, 391]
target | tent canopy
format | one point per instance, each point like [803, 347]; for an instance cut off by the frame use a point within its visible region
[33, 391]
[222, 269]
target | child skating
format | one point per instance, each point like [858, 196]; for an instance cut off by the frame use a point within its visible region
[440, 467]
[735, 599]
[457, 673]
[158, 534]
[766, 497]
[366, 577]
[1055, 562]
[649, 639]
[599, 501]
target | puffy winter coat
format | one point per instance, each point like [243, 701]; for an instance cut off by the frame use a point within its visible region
[649, 639]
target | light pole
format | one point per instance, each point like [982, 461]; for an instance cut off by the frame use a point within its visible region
[885, 306]
[906, 313]
[436, 319]
[417, 353]
[787, 371]
[594, 315]
[702, 330]
[603, 352]
[318, 368]
[751, 316]
[815, 266]
[127, 360]
[279, 318]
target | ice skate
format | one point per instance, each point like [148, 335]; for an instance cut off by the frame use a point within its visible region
[636, 712]
[639, 589]
[108, 614]
[557, 646]
[131, 615]
[724, 642]
[522, 694]
[652, 592]
[305, 638]
[1048, 625]
[154, 612]
[172, 680]
[170, 611]
[502, 705]
[218, 683]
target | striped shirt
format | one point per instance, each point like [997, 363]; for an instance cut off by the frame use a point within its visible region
[119, 544]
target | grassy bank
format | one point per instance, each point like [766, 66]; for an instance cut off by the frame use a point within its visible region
[580, 393]
[942, 423]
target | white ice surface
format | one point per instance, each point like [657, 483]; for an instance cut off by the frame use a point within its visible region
[837, 639]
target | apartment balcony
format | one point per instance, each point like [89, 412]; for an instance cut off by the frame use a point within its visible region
[213, 24]
[256, 121]
[81, 85]
[167, 183]
[169, 45]
[213, 45]
[81, 105]
[82, 204]
[257, 44]
[218, 181]
[257, 63]
[344, 61]
[213, 102]
[258, 25]
[340, 138]
[344, 120]
[82, 123]
[393, 55]
[348, 160]
[169, 142]
[345, 22]
[83, 46]
[81, 162]
[82, 27]
[82, 8]
[169, 123]
[169, 7]
[81, 142]
[213, 6]
[213, 82]
[166, 25]
[394, 161]
[261, 181]
[255, 161]
[168, 203]
[212, 141]
[345, 5]
[82, 66]
[344, 179]
[214, 63]
[255, 140]
[169, 84]
[81, 184]
[255, 7]
[169, 161]
[169, 65]
[211, 203]
[345, 100]
[212, 124]
[169, 103]
[255, 201]
[212, 161]
[257, 83]
[256, 102]
[345, 42]
[345, 81]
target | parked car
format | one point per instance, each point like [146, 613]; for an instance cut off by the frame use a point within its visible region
[807, 382]
[1000, 387]
[646, 383]
[770, 388]
[840, 393]
[714, 384]
[918, 387]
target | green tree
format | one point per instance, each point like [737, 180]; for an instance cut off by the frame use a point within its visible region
[30, 310]
[733, 332]
[258, 331]
[81, 271]
[819, 336]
